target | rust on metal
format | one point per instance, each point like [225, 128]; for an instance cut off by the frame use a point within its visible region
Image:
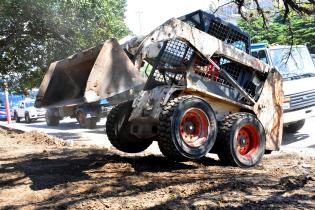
[65, 80]
[89, 76]
[269, 110]
[112, 73]
[206, 44]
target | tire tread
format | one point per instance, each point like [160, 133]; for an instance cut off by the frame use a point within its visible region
[124, 145]
[223, 147]
[167, 148]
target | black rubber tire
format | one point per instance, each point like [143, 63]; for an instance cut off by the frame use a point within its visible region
[118, 130]
[294, 126]
[226, 144]
[171, 142]
[17, 118]
[28, 120]
[91, 122]
[80, 116]
[51, 120]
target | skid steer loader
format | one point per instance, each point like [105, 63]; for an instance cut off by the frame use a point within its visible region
[190, 85]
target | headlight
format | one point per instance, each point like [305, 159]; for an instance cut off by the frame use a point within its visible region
[286, 103]
[286, 106]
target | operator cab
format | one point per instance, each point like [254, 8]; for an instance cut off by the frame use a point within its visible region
[219, 28]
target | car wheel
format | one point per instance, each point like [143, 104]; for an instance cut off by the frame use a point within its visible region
[293, 127]
[91, 122]
[27, 118]
[51, 118]
[81, 118]
[16, 117]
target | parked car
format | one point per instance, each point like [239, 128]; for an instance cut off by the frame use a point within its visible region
[3, 114]
[13, 99]
[27, 111]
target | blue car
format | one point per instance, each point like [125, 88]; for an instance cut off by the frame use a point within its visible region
[13, 99]
[3, 114]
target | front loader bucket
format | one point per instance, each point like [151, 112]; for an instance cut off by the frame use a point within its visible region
[89, 76]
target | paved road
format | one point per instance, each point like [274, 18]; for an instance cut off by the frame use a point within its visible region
[302, 141]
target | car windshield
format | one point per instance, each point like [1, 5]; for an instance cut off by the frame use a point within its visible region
[294, 61]
[29, 103]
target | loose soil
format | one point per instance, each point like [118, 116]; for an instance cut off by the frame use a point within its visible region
[38, 171]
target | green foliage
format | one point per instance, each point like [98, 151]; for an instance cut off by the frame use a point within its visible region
[296, 30]
[34, 33]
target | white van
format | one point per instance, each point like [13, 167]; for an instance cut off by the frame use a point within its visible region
[298, 72]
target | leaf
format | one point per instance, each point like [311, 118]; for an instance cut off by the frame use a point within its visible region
[34, 33]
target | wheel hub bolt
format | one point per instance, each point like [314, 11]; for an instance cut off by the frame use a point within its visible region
[243, 141]
[190, 127]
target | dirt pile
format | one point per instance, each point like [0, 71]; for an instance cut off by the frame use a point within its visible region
[34, 136]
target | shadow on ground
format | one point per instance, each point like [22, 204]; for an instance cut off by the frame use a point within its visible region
[61, 126]
[289, 138]
[66, 135]
[98, 178]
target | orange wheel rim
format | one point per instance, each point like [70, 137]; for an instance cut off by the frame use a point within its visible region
[248, 141]
[194, 127]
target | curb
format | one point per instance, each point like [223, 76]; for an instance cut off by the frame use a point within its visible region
[12, 129]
